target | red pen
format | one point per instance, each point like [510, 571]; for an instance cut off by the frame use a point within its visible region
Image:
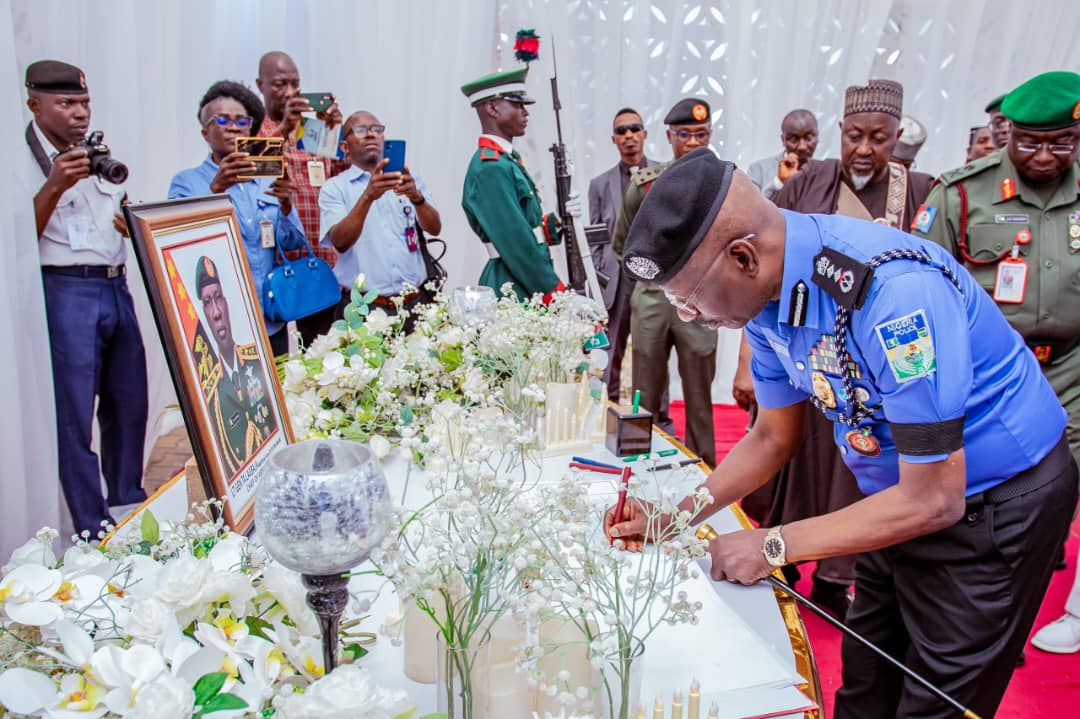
[594, 468]
[621, 503]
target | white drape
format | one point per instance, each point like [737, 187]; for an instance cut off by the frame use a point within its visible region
[147, 64]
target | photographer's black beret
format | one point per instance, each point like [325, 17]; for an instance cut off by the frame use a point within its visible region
[206, 273]
[55, 77]
[677, 213]
[691, 111]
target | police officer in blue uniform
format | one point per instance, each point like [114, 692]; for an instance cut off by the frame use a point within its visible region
[932, 395]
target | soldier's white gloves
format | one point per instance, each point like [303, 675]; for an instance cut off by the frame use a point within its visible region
[573, 204]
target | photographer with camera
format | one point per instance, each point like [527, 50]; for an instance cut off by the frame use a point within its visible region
[97, 350]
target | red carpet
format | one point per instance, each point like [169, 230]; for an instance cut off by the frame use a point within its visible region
[1047, 686]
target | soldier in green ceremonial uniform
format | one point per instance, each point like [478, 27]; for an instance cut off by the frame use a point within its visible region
[500, 199]
[1013, 218]
[235, 388]
[654, 325]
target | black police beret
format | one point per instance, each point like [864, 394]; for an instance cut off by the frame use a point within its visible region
[691, 111]
[55, 77]
[676, 215]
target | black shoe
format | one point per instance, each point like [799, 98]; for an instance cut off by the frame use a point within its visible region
[833, 597]
[1060, 564]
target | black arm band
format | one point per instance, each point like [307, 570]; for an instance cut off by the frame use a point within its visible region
[927, 439]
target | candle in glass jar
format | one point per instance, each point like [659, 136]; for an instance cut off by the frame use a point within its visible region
[693, 705]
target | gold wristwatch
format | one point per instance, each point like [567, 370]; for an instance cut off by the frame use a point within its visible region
[774, 549]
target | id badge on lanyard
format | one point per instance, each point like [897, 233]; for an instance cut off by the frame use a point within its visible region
[410, 228]
[1011, 281]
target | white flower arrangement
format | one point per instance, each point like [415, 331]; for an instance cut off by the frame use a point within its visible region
[184, 623]
[367, 378]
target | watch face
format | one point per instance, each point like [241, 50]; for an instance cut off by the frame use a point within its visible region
[774, 548]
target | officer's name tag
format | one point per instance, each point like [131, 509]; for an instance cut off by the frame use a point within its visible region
[1015, 219]
[266, 234]
[79, 235]
[316, 173]
[1011, 281]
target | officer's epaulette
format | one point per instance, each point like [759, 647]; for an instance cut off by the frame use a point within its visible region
[970, 169]
[247, 352]
[647, 174]
[489, 153]
[845, 279]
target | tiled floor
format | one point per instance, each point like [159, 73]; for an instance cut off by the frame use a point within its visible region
[170, 453]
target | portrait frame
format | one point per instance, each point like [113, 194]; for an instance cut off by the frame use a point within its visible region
[219, 358]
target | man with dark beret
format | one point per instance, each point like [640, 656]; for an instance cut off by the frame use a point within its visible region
[654, 328]
[235, 386]
[932, 407]
[867, 184]
[999, 124]
[1013, 219]
[97, 349]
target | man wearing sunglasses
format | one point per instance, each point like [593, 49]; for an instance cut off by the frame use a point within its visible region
[937, 407]
[606, 193]
[654, 326]
[1013, 219]
[263, 206]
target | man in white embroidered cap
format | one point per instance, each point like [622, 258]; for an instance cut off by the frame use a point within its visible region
[929, 394]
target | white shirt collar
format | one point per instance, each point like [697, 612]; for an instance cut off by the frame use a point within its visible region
[502, 142]
[46, 144]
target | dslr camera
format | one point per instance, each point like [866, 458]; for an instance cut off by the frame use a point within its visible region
[101, 162]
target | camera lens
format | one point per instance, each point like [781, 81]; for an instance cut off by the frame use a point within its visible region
[109, 169]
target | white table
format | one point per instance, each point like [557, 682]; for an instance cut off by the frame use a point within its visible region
[740, 650]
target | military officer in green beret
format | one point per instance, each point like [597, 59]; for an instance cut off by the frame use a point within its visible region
[1013, 218]
[235, 388]
[654, 325]
[999, 124]
[500, 200]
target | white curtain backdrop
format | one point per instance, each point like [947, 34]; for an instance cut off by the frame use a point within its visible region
[147, 64]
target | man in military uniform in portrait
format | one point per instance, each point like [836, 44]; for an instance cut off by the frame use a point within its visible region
[999, 124]
[654, 326]
[1013, 219]
[500, 199]
[234, 387]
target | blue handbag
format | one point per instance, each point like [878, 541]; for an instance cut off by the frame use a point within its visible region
[298, 288]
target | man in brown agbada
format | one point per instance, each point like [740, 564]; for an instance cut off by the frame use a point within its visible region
[864, 183]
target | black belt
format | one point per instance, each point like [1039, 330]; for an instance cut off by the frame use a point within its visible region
[1046, 470]
[1046, 350]
[99, 272]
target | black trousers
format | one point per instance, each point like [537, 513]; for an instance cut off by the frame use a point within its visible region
[957, 605]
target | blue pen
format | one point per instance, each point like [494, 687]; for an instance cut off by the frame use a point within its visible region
[593, 462]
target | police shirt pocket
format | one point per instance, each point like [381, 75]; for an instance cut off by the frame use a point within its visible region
[106, 203]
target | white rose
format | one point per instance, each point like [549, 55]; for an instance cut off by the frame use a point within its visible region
[147, 620]
[380, 447]
[377, 321]
[295, 376]
[346, 693]
[167, 697]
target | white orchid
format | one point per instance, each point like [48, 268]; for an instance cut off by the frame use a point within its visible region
[27, 595]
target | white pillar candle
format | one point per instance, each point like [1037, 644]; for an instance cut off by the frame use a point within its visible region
[658, 708]
[419, 644]
[676, 705]
[565, 649]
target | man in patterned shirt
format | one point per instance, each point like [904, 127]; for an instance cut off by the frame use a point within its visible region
[279, 83]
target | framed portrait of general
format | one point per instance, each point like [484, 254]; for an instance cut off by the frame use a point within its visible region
[197, 276]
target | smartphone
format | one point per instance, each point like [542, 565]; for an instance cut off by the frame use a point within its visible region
[319, 101]
[268, 154]
[394, 150]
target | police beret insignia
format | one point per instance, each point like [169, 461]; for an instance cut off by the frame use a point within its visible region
[643, 267]
[700, 112]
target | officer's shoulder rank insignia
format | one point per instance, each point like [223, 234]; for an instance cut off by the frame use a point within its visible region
[247, 352]
[924, 218]
[845, 279]
[908, 345]
[646, 174]
[1008, 189]
[487, 154]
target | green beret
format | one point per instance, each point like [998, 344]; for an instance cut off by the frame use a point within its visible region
[994, 104]
[1049, 101]
[206, 273]
[691, 111]
[676, 215]
[55, 77]
[508, 85]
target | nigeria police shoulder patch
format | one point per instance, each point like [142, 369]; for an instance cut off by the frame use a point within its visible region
[908, 345]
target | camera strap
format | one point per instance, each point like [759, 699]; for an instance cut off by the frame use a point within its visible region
[37, 150]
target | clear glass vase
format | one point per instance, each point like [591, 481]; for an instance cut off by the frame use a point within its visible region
[620, 690]
[462, 678]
